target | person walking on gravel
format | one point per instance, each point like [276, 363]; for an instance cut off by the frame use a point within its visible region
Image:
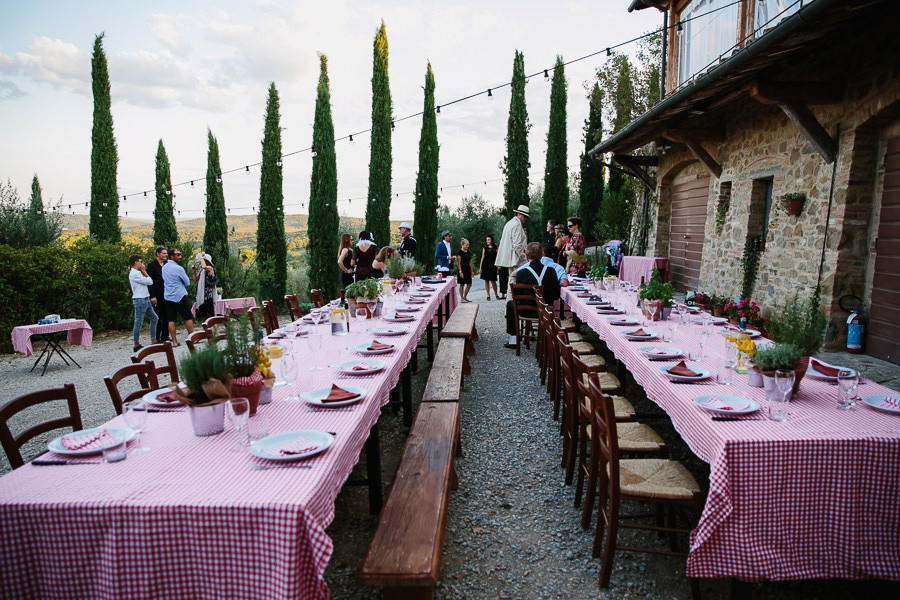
[140, 297]
[511, 253]
[176, 282]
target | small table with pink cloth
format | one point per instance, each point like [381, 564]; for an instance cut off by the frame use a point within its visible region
[235, 305]
[815, 497]
[635, 267]
[190, 518]
[78, 333]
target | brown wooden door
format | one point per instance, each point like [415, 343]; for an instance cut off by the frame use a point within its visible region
[686, 232]
[883, 332]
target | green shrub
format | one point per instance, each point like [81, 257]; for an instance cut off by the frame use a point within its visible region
[780, 356]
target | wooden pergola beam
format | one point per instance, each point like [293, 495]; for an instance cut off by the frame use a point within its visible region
[712, 134]
[636, 159]
[808, 92]
[804, 120]
[704, 157]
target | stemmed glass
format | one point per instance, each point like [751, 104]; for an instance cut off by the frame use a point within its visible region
[848, 381]
[288, 370]
[673, 327]
[135, 415]
[238, 410]
[314, 343]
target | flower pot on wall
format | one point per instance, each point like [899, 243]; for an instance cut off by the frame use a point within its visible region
[795, 206]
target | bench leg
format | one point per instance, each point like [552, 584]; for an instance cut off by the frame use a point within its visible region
[406, 394]
[429, 333]
[408, 593]
[467, 368]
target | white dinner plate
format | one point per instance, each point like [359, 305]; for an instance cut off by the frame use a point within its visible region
[703, 374]
[408, 307]
[364, 349]
[151, 398]
[415, 301]
[816, 375]
[629, 334]
[670, 352]
[713, 320]
[750, 332]
[421, 295]
[598, 303]
[390, 330]
[322, 438]
[577, 288]
[621, 321]
[315, 397]
[347, 367]
[876, 400]
[56, 446]
[739, 406]
[400, 318]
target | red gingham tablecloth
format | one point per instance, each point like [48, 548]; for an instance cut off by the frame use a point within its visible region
[234, 304]
[79, 334]
[815, 497]
[190, 519]
[635, 267]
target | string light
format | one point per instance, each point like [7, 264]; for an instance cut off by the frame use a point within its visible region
[247, 168]
[438, 111]
[490, 95]
[546, 75]
[219, 179]
[679, 28]
[145, 194]
[608, 52]
[278, 162]
[392, 125]
[351, 138]
[168, 192]
[192, 183]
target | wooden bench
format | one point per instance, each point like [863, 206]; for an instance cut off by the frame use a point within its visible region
[404, 556]
[462, 325]
[445, 380]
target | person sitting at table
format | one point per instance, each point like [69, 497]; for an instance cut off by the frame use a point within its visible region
[140, 297]
[557, 268]
[176, 282]
[532, 273]
[207, 294]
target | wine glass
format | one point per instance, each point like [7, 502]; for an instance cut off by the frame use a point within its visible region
[847, 380]
[314, 343]
[784, 381]
[288, 370]
[238, 411]
[135, 415]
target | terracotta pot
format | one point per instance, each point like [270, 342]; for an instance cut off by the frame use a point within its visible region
[248, 387]
[794, 206]
[718, 311]
[659, 309]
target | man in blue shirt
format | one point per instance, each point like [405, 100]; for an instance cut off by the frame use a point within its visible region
[175, 283]
[560, 270]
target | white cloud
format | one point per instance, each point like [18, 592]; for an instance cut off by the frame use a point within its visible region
[56, 62]
[164, 29]
[9, 90]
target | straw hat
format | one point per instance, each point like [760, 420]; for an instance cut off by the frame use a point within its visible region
[523, 210]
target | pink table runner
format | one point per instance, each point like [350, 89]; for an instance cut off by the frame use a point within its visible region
[237, 305]
[79, 334]
[191, 519]
[815, 497]
[635, 267]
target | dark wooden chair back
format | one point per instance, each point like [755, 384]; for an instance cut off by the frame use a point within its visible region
[165, 348]
[293, 306]
[195, 338]
[318, 298]
[12, 444]
[256, 318]
[525, 311]
[215, 327]
[269, 316]
[146, 376]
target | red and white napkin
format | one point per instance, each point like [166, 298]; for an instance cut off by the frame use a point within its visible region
[301, 445]
[362, 366]
[682, 370]
[339, 394]
[656, 351]
[638, 333]
[376, 345]
[890, 402]
[718, 404]
[94, 440]
[823, 368]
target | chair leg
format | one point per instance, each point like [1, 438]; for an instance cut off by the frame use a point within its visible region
[588, 506]
[573, 452]
[581, 464]
[609, 548]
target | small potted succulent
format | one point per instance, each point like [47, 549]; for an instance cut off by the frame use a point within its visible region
[779, 357]
[241, 356]
[208, 388]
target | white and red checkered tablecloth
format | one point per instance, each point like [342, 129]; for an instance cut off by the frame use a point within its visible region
[234, 304]
[638, 268]
[815, 497]
[191, 519]
[79, 333]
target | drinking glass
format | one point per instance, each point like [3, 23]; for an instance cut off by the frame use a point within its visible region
[704, 337]
[673, 327]
[848, 381]
[238, 411]
[116, 451]
[288, 371]
[257, 427]
[135, 415]
[777, 401]
[725, 375]
[290, 330]
[314, 342]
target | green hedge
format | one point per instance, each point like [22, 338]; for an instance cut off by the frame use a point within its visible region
[82, 280]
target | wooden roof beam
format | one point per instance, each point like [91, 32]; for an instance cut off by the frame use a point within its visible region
[804, 120]
[696, 149]
[712, 134]
[813, 92]
[636, 159]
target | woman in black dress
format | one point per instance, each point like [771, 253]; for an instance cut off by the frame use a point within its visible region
[378, 265]
[345, 259]
[364, 256]
[487, 268]
[465, 270]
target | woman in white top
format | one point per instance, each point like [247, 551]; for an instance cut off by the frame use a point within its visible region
[140, 297]
[207, 294]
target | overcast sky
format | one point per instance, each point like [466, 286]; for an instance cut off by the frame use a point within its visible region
[177, 68]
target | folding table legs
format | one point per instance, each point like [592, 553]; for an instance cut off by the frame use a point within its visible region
[52, 346]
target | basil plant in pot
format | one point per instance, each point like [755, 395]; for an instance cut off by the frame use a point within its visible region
[658, 295]
[208, 388]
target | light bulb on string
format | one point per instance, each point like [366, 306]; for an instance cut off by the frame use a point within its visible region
[679, 28]
[314, 154]
[192, 183]
[168, 192]
[490, 95]
[438, 110]
[247, 168]
[124, 198]
[392, 125]
[608, 52]
[546, 75]
[145, 194]
[351, 138]
[218, 180]
[278, 162]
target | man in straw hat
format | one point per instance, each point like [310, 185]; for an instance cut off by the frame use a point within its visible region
[511, 252]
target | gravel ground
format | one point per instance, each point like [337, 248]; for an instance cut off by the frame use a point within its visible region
[512, 530]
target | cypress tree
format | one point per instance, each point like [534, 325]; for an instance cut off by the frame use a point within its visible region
[323, 212]
[378, 207]
[271, 249]
[591, 189]
[556, 175]
[36, 203]
[165, 233]
[215, 234]
[104, 217]
[516, 164]
[426, 212]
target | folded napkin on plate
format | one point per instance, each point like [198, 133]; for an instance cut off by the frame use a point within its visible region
[376, 345]
[655, 350]
[167, 397]
[610, 311]
[595, 299]
[638, 333]
[583, 295]
[682, 370]
[363, 366]
[823, 368]
[890, 402]
[94, 440]
[392, 330]
[719, 404]
[277, 336]
[339, 394]
[299, 446]
[427, 287]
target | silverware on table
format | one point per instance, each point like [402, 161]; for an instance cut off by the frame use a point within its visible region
[258, 467]
[54, 463]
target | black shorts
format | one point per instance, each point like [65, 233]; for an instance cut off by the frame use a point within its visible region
[182, 308]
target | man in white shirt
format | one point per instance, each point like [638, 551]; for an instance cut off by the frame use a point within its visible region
[140, 297]
[511, 252]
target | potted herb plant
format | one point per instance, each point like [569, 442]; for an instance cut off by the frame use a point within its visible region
[208, 387]
[660, 294]
[241, 356]
[363, 294]
[800, 323]
[780, 356]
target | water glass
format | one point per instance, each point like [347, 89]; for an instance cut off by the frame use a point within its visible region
[848, 381]
[673, 327]
[784, 381]
[257, 427]
[725, 376]
[288, 371]
[238, 411]
[695, 353]
[115, 451]
[135, 416]
[778, 403]
[314, 342]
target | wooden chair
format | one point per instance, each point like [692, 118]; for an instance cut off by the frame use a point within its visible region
[146, 376]
[663, 482]
[317, 297]
[171, 368]
[12, 444]
[293, 306]
[215, 327]
[256, 318]
[270, 318]
[525, 311]
[195, 338]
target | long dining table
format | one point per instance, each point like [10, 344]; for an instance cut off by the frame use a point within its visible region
[814, 497]
[191, 518]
